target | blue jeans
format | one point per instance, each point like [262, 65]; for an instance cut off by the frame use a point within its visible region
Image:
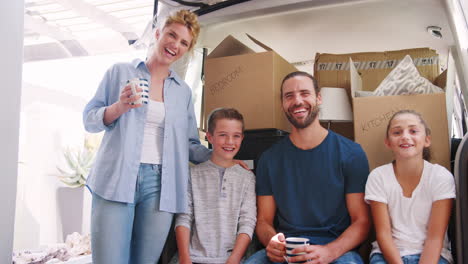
[123, 233]
[260, 257]
[378, 258]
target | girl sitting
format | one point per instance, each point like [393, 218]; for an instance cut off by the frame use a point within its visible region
[410, 198]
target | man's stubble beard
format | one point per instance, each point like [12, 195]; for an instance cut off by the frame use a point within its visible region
[309, 119]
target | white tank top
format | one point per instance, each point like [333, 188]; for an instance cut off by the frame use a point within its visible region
[153, 135]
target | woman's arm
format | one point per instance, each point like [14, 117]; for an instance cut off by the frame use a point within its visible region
[93, 113]
[101, 112]
[197, 152]
[120, 107]
[383, 231]
[436, 229]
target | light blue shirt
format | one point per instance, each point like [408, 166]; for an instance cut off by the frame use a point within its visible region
[114, 174]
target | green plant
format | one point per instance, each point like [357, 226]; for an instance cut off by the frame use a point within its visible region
[79, 162]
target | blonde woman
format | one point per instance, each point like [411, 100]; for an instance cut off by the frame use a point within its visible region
[140, 176]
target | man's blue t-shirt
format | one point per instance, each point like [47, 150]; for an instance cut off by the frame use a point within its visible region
[309, 186]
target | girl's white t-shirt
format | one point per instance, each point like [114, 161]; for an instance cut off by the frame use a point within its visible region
[410, 216]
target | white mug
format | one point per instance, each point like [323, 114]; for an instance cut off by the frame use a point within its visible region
[291, 244]
[139, 83]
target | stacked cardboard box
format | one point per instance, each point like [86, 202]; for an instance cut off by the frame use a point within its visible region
[365, 71]
[236, 76]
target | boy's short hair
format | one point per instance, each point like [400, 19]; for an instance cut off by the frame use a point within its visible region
[224, 113]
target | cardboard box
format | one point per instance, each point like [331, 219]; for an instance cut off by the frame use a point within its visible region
[236, 76]
[332, 70]
[371, 116]
[365, 71]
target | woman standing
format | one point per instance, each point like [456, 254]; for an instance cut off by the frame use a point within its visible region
[139, 179]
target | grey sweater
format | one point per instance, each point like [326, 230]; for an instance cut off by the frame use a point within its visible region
[220, 208]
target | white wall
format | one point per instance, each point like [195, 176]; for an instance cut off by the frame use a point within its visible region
[11, 52]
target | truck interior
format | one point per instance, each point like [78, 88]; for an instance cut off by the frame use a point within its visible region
[297, 30]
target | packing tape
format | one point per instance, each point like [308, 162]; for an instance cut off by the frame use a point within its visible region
[368, 65]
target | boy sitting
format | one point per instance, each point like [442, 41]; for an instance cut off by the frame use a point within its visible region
[222, 205]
